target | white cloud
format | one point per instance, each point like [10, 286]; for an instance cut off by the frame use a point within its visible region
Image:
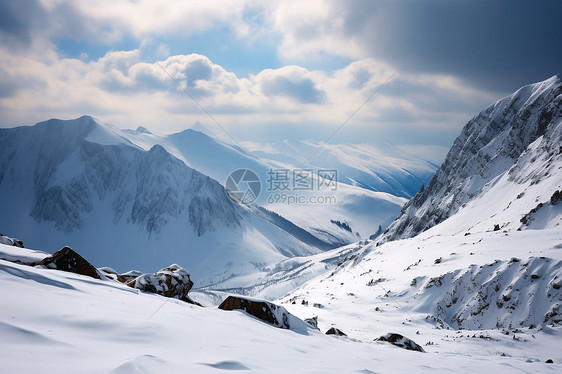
[292, 82]
[312, 29]
[110, 20]
[121, 88]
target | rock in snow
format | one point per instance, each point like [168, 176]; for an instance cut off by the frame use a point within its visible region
[172, 281]
[401, 341]
[111, 274]
[130, 275]
[312, 322]
[335, 331]
[265, 311]
[68, 260]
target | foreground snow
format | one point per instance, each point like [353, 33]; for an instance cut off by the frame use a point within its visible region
[374, 291]
[52, 321]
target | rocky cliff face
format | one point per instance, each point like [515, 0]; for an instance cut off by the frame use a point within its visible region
[490, 144]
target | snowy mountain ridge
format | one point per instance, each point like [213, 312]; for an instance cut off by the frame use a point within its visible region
[487, 147]
[82, 184]
[65, 186]
[373, 181]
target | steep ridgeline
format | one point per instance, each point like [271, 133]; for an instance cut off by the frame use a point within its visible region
[83, 184]
[489, 145]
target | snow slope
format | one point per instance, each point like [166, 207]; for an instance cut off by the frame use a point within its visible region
[54, 321]
[487, 295]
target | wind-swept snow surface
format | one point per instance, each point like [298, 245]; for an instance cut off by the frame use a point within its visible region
[53, 321]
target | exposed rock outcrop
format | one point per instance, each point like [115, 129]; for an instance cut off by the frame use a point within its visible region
[68, 260]
[497, 295]
[10, 241]
[312, 322]
[265, 311]
[401, 341]
[335, 331]
[111, 274]
[130, 275]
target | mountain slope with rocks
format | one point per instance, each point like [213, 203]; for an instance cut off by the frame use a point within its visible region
[518, 129]
[486, 272]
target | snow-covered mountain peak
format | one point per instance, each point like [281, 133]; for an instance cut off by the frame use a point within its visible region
[92, 186]
[490, 144]
[64, 176]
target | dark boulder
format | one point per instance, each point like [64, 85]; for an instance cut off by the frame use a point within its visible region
[172, 281]
[262, 310]
[335, 331]
[401, 341]
[265, 311]
[68, 260]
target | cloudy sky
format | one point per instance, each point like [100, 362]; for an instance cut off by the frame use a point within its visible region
[413, 72]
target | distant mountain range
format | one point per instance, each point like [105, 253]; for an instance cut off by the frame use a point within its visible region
[374, 181]
[136, 198]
